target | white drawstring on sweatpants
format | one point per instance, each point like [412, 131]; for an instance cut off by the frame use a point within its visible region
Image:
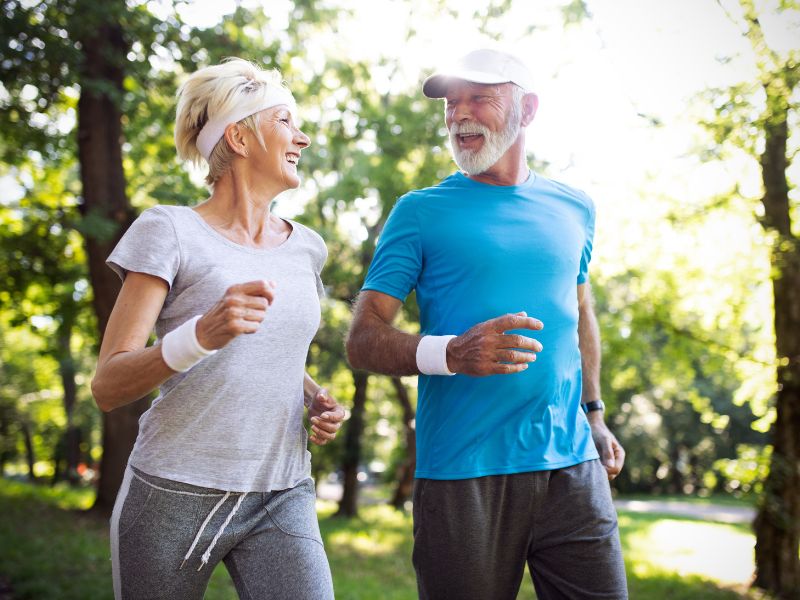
[207, 554]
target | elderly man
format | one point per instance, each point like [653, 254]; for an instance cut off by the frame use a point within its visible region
[513, 456]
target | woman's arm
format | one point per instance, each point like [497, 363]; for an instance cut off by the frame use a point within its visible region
[310, 389]
[126, 369]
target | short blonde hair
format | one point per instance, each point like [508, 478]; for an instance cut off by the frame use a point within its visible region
[213, 91]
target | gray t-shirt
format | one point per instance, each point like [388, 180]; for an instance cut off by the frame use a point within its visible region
[234, 421]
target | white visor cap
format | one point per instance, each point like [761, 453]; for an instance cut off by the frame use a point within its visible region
[480, 66]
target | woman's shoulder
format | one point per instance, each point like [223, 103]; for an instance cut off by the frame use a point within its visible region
[178, 218]
[305, 232]
[310, 239]
[171, 212]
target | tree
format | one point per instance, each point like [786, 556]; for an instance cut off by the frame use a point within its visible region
[67, 45]
[756, 118]
[44, 273]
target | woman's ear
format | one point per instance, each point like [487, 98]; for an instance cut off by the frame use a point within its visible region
[235, 138]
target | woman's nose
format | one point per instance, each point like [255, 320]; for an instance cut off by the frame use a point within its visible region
[302, 140]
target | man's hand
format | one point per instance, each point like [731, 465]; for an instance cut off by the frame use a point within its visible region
[485, 349]
[326, 416]
[611, 452]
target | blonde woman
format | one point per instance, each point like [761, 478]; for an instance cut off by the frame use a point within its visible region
[221, 470]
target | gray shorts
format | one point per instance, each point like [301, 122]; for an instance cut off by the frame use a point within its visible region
[167, 537]
[472, 537]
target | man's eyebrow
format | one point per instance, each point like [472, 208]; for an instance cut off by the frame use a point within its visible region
[485, 90]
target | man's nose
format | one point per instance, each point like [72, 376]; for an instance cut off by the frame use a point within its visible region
[461, 112]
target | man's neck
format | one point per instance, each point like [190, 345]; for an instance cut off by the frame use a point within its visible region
[511, 169]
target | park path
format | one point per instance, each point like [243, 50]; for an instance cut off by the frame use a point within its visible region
[709, 512]
[719, 513]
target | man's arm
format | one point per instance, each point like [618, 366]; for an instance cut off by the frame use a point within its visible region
[375, 345]
[612, 455]
[589, 343]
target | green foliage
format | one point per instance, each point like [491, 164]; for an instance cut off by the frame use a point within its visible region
[670, 388]
[748, 471]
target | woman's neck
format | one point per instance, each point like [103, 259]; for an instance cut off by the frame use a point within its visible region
[242, 213]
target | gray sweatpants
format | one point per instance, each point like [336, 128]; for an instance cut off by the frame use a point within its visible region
[472, 537]
[269, 542]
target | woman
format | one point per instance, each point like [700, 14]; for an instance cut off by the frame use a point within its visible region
[220, 469]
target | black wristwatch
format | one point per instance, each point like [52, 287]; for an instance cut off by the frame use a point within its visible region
[593, 405]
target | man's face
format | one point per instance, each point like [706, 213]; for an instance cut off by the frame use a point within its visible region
[483, 121]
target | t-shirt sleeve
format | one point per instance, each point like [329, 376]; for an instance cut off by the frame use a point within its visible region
[149, 246]
[586, 256]
[397, 262]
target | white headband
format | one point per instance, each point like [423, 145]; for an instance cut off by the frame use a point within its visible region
[214, 129]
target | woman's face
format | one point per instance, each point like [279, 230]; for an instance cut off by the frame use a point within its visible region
[284, 143]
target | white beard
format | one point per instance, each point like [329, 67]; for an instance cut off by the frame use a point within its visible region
[495, 144]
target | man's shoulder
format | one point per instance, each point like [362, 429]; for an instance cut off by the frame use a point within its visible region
[564, 191]
[442, 188]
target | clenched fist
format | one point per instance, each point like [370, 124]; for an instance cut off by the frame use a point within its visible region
[240, 310]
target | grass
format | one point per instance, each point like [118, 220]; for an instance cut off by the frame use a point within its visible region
[50, 549]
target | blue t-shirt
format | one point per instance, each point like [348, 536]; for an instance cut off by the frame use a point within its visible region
[475, 251]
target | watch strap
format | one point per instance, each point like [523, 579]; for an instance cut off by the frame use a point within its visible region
[593, 405]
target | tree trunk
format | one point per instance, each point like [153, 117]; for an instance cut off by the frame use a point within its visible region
[348, 505]
[777, 525]
[5, 443]
[66, 366]
[405, 472]
[29, 452]
[105, 202]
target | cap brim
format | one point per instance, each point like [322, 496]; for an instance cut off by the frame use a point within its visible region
[436, 85]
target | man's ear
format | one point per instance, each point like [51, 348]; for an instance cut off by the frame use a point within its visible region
[235, 138]
[530, 104]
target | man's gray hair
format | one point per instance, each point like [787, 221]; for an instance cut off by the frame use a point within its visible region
[517, 94]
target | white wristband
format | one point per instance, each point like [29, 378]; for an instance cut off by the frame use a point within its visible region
[180, 348]
[432, 355]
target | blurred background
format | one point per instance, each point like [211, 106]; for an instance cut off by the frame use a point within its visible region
[679, 119]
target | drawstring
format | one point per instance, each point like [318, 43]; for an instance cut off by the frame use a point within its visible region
[207, 553]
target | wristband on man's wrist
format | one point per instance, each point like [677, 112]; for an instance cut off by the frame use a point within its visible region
[180, 348]
[432, 355]
[593, 406]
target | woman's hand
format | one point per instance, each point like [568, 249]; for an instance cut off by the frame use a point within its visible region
[240, 310]
[326, 416]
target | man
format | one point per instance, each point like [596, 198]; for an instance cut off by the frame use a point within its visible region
[509, 420]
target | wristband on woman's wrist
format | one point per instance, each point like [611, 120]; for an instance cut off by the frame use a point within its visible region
[432, 355]
[180, 348]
